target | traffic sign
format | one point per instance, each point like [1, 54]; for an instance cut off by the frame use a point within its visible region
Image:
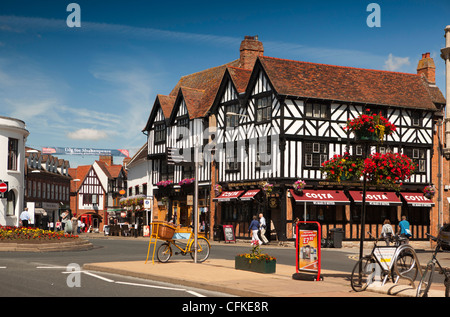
[3, 187]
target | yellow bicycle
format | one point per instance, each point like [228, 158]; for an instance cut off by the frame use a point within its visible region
[165, 252]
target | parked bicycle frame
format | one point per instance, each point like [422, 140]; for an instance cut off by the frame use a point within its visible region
[386, 262]
[427, 277]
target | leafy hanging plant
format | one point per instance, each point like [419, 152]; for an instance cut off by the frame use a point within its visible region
[299, 185]
[267, 188]
[370, 126]
[343, 167]
[390, 169]
[186, 181]
[217, 190]
[429, 191]
[164, 183]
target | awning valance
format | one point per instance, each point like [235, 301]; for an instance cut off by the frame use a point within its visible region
[321, 197]
[250, 194]
[376, 198]
[417, 200]
[229, 195]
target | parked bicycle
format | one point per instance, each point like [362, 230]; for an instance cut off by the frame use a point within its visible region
[165, 252]
[427, 277]
[387, 262]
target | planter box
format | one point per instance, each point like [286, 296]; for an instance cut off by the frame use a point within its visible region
[241, 263]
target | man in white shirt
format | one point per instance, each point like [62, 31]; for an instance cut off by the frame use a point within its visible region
[25, 217]
[262, 228]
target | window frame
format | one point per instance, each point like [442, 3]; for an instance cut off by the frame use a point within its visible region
[314, 156]
[13, 154]
[265, 108]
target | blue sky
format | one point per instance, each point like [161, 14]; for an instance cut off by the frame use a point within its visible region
[94, 86]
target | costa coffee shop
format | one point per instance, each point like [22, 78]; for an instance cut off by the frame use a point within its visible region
[237, 207]
[342, 209]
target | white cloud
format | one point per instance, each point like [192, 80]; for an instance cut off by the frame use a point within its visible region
[87, 134]
[394, 63]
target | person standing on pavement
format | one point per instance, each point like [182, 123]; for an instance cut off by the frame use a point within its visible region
[387, 232]
[262, 228]
[25, 217]
[404, 230]
[254, 228]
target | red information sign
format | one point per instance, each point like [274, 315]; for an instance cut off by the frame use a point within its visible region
[308, 249]
[228, 233]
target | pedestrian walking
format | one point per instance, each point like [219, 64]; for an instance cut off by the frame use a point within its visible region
[254, 228]
[387, 232]
[262, 228]
[25, 217]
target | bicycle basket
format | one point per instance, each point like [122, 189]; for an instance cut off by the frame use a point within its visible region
[162, 230]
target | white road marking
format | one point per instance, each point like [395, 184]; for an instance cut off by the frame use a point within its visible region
[119, 282]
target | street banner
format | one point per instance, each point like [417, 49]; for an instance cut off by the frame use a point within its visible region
[84, 151]
[308, 241]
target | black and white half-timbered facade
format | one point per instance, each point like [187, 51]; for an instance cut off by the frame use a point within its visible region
[278, 120]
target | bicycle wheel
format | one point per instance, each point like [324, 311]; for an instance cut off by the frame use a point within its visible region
[164, 252]
[406, 265]
[363, 273]
[203, 248]
[425, 281]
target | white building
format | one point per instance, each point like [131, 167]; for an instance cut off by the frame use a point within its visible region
[13, 135]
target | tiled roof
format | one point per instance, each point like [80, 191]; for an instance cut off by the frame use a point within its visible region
[111, 171]
[166, 103]
[348, 84]
[80, 173]
[207, 80]
[240, 78]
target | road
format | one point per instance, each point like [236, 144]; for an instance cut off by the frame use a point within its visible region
[51, 274]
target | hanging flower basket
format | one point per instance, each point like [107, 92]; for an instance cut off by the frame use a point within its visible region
[299, 186]
[267, 188]
[429, 191]
[343, 168]
[390, 169]
[370, 127]
[217, 190]
[164, 184]
[186, 181]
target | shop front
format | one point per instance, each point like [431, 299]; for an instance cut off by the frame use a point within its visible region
[176, 205]
[343, 209]
[237, 207]
[328, 207]
[417, 209]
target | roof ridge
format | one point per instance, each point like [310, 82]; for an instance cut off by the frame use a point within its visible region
[339, 66]
[240, 68]
[209, 69]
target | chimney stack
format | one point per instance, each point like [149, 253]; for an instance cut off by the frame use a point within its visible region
[250, 49]
[427, 68]
[108, 159]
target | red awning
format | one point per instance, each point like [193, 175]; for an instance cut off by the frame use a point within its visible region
[250, 194]
[417, 200]
[321, 197]
[229, 195]
[377, 198]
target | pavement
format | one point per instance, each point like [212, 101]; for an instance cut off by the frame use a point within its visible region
[221, 276]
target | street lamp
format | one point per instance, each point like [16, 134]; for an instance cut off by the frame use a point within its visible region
[76, 194]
